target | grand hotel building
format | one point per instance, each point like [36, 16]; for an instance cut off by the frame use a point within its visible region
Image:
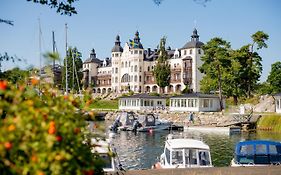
[131, 68]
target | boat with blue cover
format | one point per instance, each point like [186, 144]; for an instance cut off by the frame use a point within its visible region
[257, 153]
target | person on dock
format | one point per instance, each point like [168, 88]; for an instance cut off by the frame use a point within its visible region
[191, 118]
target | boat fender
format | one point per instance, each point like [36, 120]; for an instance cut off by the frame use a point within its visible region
[156, 166]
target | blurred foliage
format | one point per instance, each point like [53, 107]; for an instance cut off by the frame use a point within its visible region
[41, 131]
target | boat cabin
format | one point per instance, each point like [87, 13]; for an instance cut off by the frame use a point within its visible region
[277, 98]
[257, 152]
[195, 102]
[142, 102]
[185, 153]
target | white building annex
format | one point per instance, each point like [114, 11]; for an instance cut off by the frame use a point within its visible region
[142, 102]
[195, 102]
[131, 68]
[277, 98]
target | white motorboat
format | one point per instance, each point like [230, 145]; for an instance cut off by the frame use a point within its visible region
[184, 153]
[129, 121]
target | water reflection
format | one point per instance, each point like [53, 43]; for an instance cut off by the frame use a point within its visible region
[142, 150]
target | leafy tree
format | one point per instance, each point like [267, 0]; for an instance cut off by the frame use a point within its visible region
[62, 7]
[162, 71]
[274, 78]
[15, 75]
[264, 88]
[254, 60]
[43, 134]
[74, 74]
[215, 61]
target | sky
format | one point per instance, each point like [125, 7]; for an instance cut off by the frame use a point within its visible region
[99, 21]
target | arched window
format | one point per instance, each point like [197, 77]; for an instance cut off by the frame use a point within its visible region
[125, 78]
[116, 70]
[148, 68]
[136, 78]
[126, 64]
[136, 68]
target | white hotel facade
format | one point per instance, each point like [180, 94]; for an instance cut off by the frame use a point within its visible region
[131, 68]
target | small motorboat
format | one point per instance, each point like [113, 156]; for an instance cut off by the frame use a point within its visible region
[184, 153]
[257, 153]
[148, 123]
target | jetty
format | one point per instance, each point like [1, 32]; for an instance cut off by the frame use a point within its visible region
[258, 170]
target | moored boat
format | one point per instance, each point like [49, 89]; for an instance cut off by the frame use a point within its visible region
[184, 153]
[257, 153]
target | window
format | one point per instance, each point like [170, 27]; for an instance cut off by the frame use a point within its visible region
[148, 68]
[167, 154]
[129, 63]
[184, 52]
[199, 51]
[135, 52]
[116, 55]
[261, 149]
[177, 157]
[113, 70]
[152, 67]
[190, 51]
[126, 64]
[136, 68]
[204, 159]
[116, 70]
[140, 78]
[278, 106]
[140, 52]
[116, 79]
[159, 103]
[136, 78]
[122, 64]
[140, 68]
[131, 68]
[205, 103]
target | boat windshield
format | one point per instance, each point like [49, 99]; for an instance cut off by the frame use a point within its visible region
[189, 157]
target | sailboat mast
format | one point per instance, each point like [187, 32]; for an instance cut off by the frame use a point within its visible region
[66, 74]
[40, 50]
[53, 33]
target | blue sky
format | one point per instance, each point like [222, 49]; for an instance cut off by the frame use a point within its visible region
[98, 22]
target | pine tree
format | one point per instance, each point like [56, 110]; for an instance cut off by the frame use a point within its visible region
[162, 71]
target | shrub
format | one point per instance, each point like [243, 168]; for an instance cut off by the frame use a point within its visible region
[40, 132]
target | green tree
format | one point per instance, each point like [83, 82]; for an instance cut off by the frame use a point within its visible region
[162, 71]
[215, 62]
[15, 75]
[254, 60]
[274, 78]
[74, 74]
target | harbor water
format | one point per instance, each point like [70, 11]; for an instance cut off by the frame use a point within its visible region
[142, 149]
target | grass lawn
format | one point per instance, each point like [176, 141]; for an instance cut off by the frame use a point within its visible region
[270, 122]
[105, 104]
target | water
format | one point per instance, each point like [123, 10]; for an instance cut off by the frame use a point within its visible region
[142, 150]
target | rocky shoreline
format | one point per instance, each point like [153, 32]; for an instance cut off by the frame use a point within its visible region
[200, 118]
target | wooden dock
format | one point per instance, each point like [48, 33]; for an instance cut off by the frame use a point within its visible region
[261, 170]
